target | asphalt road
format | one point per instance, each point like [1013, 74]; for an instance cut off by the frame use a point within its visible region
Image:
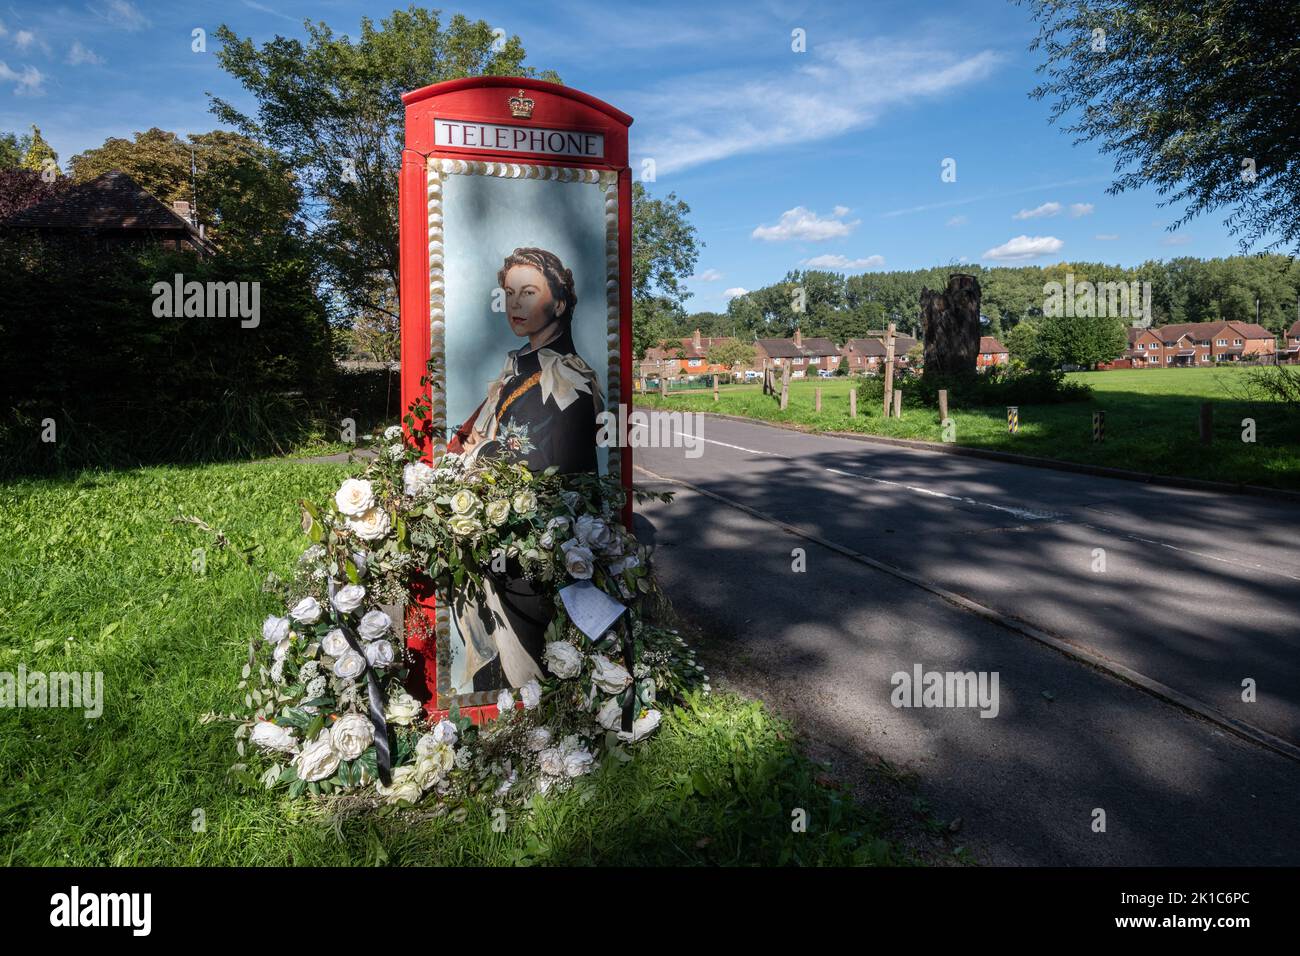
[1199, 591]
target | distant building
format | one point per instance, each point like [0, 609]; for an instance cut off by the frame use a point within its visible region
[684, 358]
[111, 209]
[1198, 345]
[800, 354]
[992, 352]
[1291, 345]
[868, 355]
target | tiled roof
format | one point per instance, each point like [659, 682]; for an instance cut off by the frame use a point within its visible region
[989, 344]
[785, 348]
[1208, 330]
[107, 202]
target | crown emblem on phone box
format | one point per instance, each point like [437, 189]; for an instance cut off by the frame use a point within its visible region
[521, 106]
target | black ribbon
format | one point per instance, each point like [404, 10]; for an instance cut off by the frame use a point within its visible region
[629, 662]
[383, 756]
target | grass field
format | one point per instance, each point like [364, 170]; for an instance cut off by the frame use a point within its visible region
[1151, 423]
[94, 576]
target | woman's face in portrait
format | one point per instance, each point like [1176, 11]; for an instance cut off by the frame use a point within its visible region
[529, 303]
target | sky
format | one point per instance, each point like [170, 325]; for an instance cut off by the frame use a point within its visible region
[856, 137]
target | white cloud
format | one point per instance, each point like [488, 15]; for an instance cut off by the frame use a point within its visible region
[3, 31]
[1175, 240]
[957, 221]
[835, 88]
[733, 293]
[1038, 212]
[28, 81]
[121, 13]
[1023, 247]
[1107, 236]
[24, 38]
[708, 275]
[843, 262]
[79, 54]
[1078, 209]
[802, 223]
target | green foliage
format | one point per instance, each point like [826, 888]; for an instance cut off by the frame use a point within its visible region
[38, 151]
[733, 353]
[665, 247]
[999, 386]
[1077, 340]
[1183, 93]
[12, 149]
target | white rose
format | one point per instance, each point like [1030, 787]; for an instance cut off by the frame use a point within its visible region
[351, 735]
[610, 715]
[463, 525]
[593, 533]
[577, 763]
[570, 743]
[433, 762]
[282, 650]
[558, 525]
[374, 625]
[531, 694]
[275, 629]
[348, 598]
[625, 563]
[498, 511]
[402, 709]
[539, 738]
[505, 703]
[641, 726]
[405, 786]
[577, 560]
[552, 762]
[392, 432]
[318, 759]
[609, 677]
[334, 643]
[464, 502]
[306, 611]
[355, 497]
[563, 659]
[444, 732]
[547, 541]
[380, 654]
[371, 525]
[524, 502]
[417, 478]
[359, 560]
[350, 665]
[273, 737]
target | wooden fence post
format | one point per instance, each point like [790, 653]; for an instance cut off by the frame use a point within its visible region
[889, 367]
[818, 398]
[898, 403]
[853, 402]
[715, 387]
[785, 385]
[943, 404]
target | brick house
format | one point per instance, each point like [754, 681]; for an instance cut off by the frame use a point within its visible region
[992, 352]
[685, 357]
[802, 355]
[868, 355]
[1291, 345]
[111, 209]
[1198, 344]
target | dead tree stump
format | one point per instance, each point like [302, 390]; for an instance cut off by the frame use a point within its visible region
[950, 322]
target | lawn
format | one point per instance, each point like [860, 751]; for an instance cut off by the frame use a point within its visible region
[95, 576]
[1151, 423]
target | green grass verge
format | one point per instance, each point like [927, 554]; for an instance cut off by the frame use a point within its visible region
[1151, 423]
[94, 576]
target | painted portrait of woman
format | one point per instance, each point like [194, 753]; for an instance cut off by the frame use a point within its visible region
[540, 411]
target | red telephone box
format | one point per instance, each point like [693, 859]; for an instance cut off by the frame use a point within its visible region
[472, 147]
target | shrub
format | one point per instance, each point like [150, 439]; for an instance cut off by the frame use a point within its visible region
[1000, 386]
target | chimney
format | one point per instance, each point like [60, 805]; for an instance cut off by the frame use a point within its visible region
[182, 209]
[697, 339]
[798, 339]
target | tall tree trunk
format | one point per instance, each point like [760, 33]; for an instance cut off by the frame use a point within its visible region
[950, 321]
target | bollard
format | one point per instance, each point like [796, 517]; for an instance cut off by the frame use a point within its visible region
[1013, 418]
[898, 403]
[853, 403]
[817, 398]
[663, 385]
[1098, 426]
[785, 385]
[715, 388]
[943, 404]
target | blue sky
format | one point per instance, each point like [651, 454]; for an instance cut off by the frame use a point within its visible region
[830, 157]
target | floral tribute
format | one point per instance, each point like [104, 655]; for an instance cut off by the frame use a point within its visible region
[327, 708]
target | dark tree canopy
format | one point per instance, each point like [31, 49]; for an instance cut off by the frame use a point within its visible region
[1195, 97]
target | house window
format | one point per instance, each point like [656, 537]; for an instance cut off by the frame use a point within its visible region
[1141, 346]
[1169, 360]
[1221, 342]
[1204, 357]
[1238, 341]
[987, 356]
[1153, 360]
[694, 363]
[814, 361]
[796, 361]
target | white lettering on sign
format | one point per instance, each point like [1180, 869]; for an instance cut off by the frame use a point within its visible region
[518, 139]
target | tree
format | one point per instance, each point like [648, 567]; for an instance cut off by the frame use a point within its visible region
[332, 106]
[1022, 344]
[12, 150]
[38, 151]
[245, 192]
[1195, 97]
[733, 353]
[665, 246]
[654, 320]
[1080, 340]
[20, 188]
